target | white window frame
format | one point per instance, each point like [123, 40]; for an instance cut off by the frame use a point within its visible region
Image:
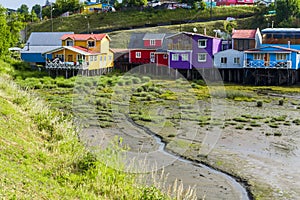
[281, 56]
[258, 56]
[152, 42]
[175, 57]
[91, 58]
[95, 58]
[88, 43]
[184, 57]
[68, 43]
[223, 60]
[200, 41]
[199, 56]
[236, 60]
[138, 54]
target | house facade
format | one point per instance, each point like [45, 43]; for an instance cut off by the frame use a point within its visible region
[82, 51]
[191, 50]
[272, 57]
[284, 37]
[229, 59]
[246, 39]
[234, 2]
[143, 48]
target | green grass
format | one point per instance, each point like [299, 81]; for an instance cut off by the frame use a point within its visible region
[41, 157]
[132, 18]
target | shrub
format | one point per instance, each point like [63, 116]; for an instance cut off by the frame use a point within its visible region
[281, 101]
[259, 103]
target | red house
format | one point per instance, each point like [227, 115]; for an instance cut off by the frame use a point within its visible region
[143, 48]
[161, 58]
[234, 2]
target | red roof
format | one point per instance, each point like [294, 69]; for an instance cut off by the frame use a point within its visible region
[83, 49]
[244, 34]
[83, 36]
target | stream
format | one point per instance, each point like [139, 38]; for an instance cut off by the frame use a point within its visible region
[165, 159]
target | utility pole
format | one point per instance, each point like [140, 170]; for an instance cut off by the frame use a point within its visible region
[210, 9]
[51, 17]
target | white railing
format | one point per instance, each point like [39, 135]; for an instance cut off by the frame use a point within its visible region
[66, 65]
[268, 64]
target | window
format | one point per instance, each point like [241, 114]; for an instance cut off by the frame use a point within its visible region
[60, 56]
[201, 57]
[184, 57]
[152, 42]
[138, 54]
[258, 56]
[202, 43]
[165, 56]
[100, 58]
[152, 55]
[91, 58]
[91, 43]
[110, 57]
[236, 60]
[95, 58]
[223, 60]
[69, 43]
[104, 58]
[175, 57]
[281, 56]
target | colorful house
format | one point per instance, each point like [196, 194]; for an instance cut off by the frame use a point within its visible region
[88, 52]
[234, 2]
[229, 59]
[191, 50]
[143, 48]
[246, 39]
[284, 37]
[275, 57]
[38, 43]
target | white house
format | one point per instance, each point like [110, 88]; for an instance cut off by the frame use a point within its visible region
[229, 59]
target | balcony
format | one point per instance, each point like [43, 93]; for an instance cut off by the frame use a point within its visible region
[268, 64]
[67, 65]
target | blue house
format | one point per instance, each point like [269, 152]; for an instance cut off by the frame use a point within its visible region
[274, 57]
[38, 43]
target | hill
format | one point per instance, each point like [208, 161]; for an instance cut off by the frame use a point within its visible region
[107, 22]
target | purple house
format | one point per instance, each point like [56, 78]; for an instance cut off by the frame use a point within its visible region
[192, 50]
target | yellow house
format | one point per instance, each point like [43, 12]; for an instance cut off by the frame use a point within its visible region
[88, 9]
[82, 51]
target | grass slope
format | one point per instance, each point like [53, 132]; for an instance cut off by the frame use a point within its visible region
[41, 157]
[100, 22]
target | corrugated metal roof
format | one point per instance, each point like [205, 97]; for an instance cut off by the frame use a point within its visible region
[137, 40]
[280, 30]
[46, 38]
[38, 49]
[154, 36]
[244, 34]
[84, 36]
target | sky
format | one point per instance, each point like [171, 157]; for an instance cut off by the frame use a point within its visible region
[15, 4]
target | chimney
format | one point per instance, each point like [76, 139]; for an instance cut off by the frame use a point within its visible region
[204, 30]
[28, 46]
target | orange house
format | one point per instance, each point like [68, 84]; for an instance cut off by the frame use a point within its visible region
[82, 51]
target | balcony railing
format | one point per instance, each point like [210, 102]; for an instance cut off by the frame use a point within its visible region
[268, 64]
[67, 65]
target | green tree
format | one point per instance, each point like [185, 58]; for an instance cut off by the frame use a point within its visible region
[287, 10]
[23, 9]
[15, 22]
[134, 3]
[5, 35]
[37, 10]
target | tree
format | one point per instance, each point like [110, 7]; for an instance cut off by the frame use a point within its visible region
[286, 10]
[5, 34]
[15, 22]
[37, 10]
[23, 9]
[134, 3]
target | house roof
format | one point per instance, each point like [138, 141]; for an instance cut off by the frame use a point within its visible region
[192, 34]
[76, 49]
[46, 38]
[244, 34]
[280, 49]
[38, 49]
[97, 37]
[154, 36]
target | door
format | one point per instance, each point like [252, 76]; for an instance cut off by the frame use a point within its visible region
[70, 58]
[267, 59]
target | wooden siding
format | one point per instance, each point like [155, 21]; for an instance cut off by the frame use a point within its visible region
[158, 43]
[243, 44]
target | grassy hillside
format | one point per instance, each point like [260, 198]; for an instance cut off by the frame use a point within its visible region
[41, 157]
[130, 19]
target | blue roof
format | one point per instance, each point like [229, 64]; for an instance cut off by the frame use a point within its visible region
[46, 38]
